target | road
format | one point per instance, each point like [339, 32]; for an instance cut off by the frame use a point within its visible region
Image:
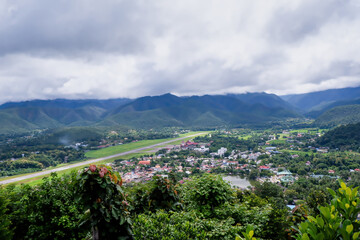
[37, 174]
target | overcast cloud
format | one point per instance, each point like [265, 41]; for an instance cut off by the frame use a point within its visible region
[131, 48]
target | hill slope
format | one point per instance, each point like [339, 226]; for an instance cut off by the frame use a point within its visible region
[41, 114]
[343, 137]
[315, 114]
[339, 115]
[316, 101]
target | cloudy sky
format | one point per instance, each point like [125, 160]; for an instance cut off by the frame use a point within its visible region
[131, 48]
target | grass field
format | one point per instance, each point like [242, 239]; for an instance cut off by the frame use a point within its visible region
[277, 141]
[245, 137]
[129, 146]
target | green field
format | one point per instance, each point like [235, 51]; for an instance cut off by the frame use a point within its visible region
[277, 141]
[129, 146]
[245, 137]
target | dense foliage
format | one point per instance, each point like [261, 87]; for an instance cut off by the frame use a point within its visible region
[343, 137]
[337, 220]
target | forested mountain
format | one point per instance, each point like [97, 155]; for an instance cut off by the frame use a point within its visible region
[315, 101]
[40, 114]
[68, 104]
[339, 116]
[315, 114]
[146, 112]
[343, 137]
[268, 100]
[202, 111]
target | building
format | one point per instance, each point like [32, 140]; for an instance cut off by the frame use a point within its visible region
[201, 149]
[286, 176]
[144, 162]
[221, 151]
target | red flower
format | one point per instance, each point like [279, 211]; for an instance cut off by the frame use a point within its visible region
[92, 168]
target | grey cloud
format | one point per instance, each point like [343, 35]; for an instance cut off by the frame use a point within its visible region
[132, 48]
[76, 26]
[293, 25]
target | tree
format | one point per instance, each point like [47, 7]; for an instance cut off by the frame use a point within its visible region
[49, 210]
[5, 231]
[208, 192]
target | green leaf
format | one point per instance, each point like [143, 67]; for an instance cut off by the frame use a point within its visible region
[349, 228]
[332, 192]
[320, 221]
[251, 233]
[114, 213]
[305, 237]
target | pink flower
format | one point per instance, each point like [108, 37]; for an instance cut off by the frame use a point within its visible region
[92, 168]
[101, 174]
[104, 169]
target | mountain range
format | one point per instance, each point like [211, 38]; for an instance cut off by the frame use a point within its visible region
[208, 111]
[146, 112]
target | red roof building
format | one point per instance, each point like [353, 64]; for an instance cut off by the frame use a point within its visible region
[264, 167]
[144, 162]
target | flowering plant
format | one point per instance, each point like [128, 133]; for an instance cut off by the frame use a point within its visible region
[105, 202]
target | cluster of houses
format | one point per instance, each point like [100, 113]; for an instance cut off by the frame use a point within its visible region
[143, 170]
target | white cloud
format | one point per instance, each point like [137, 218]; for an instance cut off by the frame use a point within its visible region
[131, 48]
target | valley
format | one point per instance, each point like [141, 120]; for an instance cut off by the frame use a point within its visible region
[168, 159]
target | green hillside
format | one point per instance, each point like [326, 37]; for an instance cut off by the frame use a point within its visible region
[343, 137]
[315, 101]
[339, 115]
[315, 114]
[10, 123]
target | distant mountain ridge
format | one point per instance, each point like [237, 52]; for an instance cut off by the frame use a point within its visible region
[315, 101]
[207, 110]
[329, 108]
[340, 115]
[315, 114]
[146, 112]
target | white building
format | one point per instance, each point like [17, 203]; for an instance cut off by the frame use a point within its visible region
[222, 151]
[201, 149]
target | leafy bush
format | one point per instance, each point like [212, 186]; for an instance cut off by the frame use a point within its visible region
[47, 211]
[159, 193]
[206, 193]
[337, 220]
[182, 225]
